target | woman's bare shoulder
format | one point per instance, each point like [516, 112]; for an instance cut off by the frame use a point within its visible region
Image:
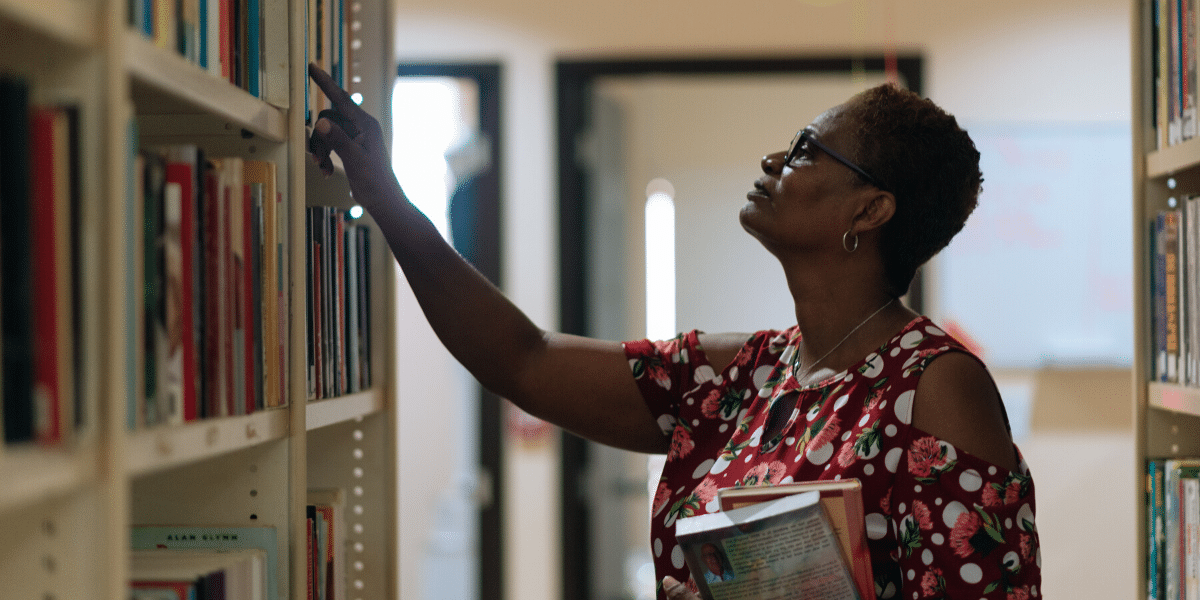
[957, 401]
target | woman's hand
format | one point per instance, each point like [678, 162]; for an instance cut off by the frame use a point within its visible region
[676, 590]
[357, 138]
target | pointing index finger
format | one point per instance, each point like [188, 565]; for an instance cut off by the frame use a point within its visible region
[339, 97]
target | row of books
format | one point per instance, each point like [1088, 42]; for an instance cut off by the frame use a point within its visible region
[40, 267]
[1174, 40]
[1175, 244]
[1173, 526]
[214, 332]
[245, 42]
[211, 562]
[338, 288]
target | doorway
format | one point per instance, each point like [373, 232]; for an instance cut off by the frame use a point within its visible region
[464, 557]
[648, 110]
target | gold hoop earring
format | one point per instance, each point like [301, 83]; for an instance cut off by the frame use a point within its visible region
[846, 243]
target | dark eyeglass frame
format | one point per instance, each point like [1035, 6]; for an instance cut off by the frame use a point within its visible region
[809, 136]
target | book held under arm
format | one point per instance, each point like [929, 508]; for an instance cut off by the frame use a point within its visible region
[780, 549]
[842, 500]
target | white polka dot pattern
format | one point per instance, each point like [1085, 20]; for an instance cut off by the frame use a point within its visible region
[940, 523]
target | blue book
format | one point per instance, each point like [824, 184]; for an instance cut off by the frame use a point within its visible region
[254, 48]
[1155, 514]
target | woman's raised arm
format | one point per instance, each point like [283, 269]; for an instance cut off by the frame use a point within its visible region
[580, 384]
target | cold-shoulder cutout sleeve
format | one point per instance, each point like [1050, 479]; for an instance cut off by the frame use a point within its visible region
[965, 527]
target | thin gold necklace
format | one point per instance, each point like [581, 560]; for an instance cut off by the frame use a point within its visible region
[796, 358]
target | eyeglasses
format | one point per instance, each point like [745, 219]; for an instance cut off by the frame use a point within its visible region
[806, 136]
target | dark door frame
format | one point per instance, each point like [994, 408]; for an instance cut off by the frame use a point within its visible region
[574, 82]
[483, 250]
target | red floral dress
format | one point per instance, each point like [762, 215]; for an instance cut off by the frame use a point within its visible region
[941, 523]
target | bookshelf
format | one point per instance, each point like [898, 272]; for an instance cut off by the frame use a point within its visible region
[69, 502]
[1166, 172]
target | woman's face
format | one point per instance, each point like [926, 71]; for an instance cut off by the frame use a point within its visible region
[803, 203]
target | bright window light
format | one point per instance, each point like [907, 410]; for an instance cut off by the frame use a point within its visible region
[660, 260]
[428, 121]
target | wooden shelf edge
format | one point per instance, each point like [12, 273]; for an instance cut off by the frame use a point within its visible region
[321, 413]
[187, 84]
[34, 473]
[1173, 397]
[164, 447]
[1160, 163]
[69, 22]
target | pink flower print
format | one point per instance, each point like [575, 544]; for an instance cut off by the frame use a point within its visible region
[965, 528]
[927, 459]
[827, 434]
[847, 455]
[1013, 492]
[706, 491]
[874, 398]
[754, 476]
[711, 404]
[653, 369]
[991, 496]
[1019, 593]
[681, 443]
[658, 374]
[762, 474]
[661, 496]
[885, 503]
[922, 515]
[932, 583]
[1027, 548]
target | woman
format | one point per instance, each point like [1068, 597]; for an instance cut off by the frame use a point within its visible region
[860, 387]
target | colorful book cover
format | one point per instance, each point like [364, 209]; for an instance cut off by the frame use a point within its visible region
[843, 504]
[214, 537]
[182, 164]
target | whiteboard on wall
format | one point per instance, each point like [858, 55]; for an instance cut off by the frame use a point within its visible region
[1043, 271]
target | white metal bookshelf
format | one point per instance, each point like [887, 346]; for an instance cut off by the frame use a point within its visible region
[65, 510]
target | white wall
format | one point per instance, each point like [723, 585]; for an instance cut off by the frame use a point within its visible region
[1022, 61]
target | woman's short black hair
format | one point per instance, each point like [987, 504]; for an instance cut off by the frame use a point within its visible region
[919, 153]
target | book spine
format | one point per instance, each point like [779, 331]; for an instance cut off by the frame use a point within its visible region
[1193, 267]
[170, 341]
[254, 48]
[1154, 530]
[152, 339]
[48, 268]
[340, 310]
[1191, 540]
[181, 169]
[365, 313]
[310, 359]
[352, 326]
[1171, 282]
[16, 267]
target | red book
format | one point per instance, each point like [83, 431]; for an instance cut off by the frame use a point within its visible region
[183, 590]
[50, 232]
[247, 299]
[339, 244]
[181, 166]
[226, 33]
[210, 234]
[318, 323]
